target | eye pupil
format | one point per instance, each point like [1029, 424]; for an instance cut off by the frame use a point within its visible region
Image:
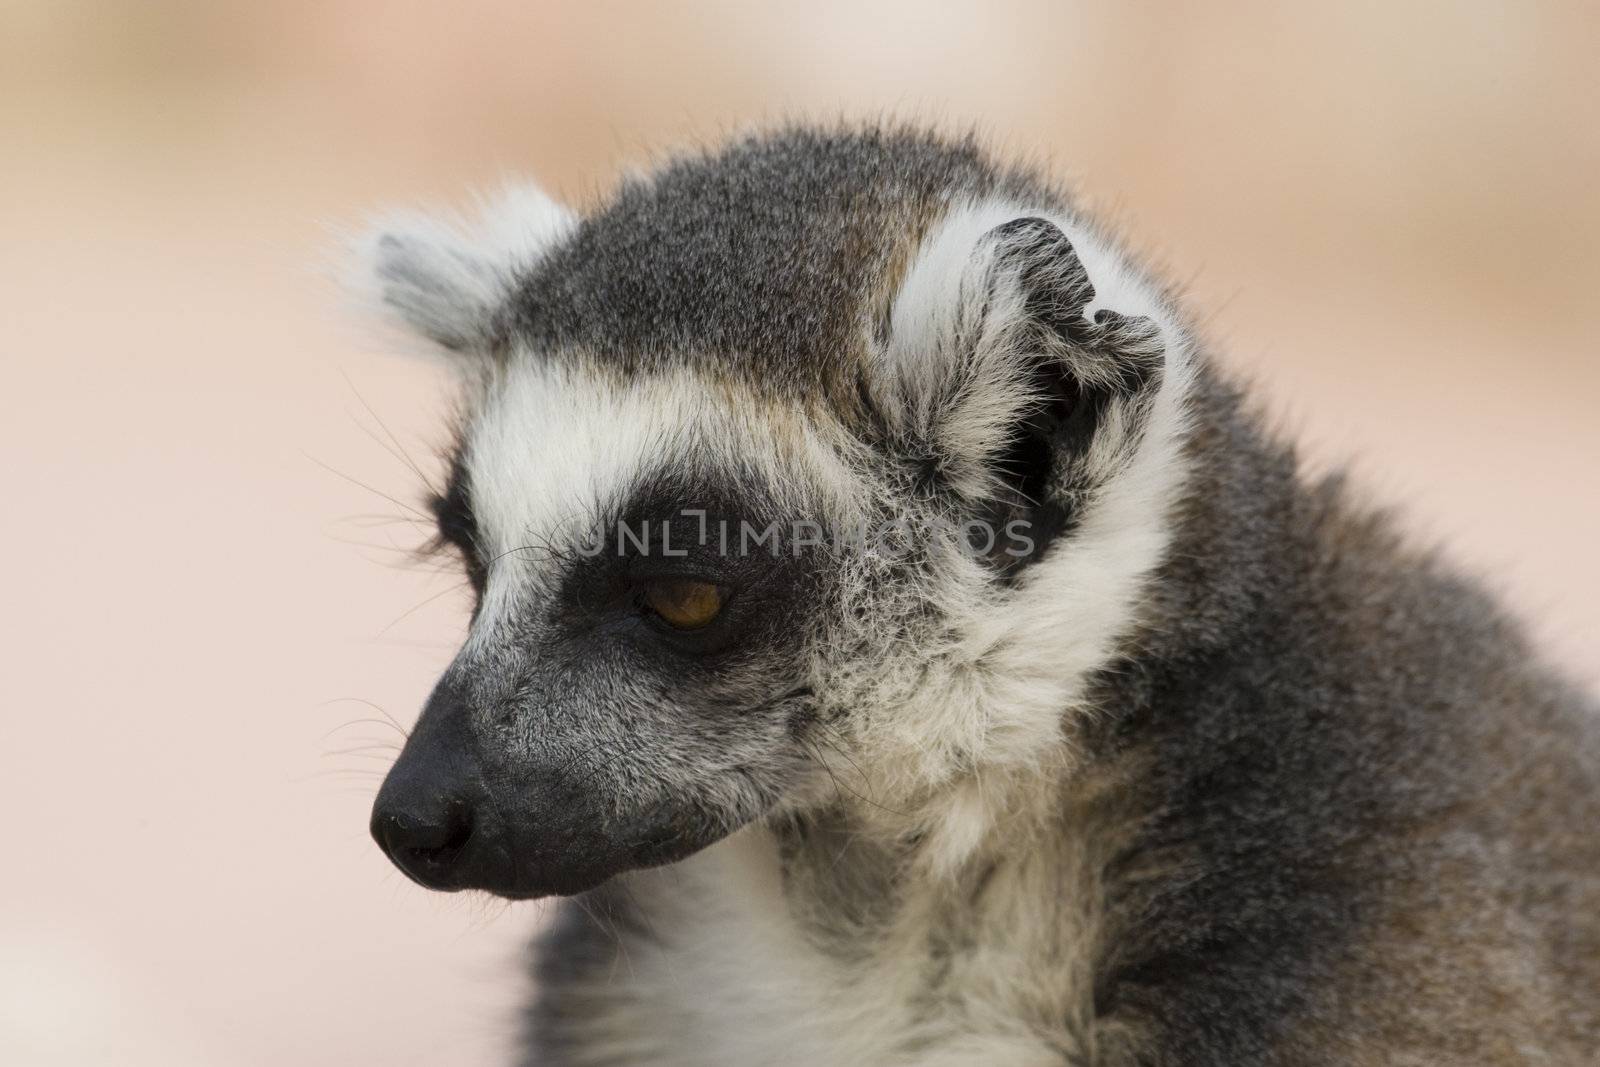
[683, 603]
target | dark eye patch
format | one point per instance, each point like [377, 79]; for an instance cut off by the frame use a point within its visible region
[458, 525]
[673, 528]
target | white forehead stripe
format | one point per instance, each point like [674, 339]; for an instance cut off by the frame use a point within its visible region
[547, 448]
[549, 445]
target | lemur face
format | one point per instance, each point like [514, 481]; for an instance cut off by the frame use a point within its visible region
[634, 685]
[760, 467]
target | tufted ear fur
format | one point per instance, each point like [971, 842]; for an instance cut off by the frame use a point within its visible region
[448, 280]
[1020, 364]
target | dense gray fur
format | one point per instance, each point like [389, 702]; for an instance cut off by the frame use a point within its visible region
[1320, 804]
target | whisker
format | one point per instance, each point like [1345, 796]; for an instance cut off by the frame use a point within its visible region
[421, 515]
[399, 450]
[387, 720]
[362, 750]
[456, 588]
[350, 754]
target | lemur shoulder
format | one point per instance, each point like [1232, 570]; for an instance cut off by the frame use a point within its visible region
[1119, 741]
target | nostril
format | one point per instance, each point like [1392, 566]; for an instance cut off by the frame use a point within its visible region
[401, 829]
[425, 847]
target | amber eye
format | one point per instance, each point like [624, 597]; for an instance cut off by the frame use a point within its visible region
[683, 603]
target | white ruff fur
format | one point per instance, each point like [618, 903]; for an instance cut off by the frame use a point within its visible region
[963, 729]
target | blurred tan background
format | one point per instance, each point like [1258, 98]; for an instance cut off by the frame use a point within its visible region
[1386, 212]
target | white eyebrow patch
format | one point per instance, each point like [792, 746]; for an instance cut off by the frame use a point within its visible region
[549, 446]
[551, 443]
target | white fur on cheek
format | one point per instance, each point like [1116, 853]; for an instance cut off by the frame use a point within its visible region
[985, 706]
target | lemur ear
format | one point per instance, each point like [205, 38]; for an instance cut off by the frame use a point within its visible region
[447, 279]
[1019, 362]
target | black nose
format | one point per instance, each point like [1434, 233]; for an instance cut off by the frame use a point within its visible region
[425, 840]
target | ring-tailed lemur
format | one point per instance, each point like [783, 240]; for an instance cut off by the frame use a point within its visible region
[910, 648]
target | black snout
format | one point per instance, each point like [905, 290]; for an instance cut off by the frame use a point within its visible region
[431, 816]
[449, 821]
[426, 836]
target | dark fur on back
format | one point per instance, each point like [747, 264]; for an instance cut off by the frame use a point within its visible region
[1373, 792]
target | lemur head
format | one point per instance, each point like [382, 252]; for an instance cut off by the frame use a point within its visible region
[821, 469]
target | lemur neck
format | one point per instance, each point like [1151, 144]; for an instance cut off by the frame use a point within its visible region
[893, 914]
